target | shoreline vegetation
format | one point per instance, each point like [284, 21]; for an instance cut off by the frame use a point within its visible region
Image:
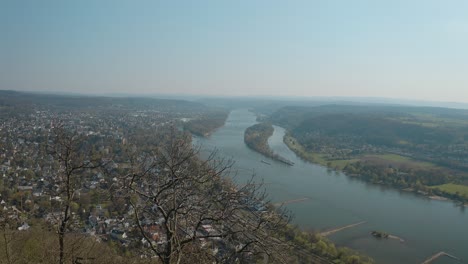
[256, 138]
[422, 149]
[355, 168]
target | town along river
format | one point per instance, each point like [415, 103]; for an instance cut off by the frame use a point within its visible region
[322, 200]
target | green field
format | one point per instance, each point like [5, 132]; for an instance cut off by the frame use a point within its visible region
[300, 151]
[398, 161]
[393, 159]
[340, 164]
[315, 157]
[431, 121]
[385, 160]
[453, 188]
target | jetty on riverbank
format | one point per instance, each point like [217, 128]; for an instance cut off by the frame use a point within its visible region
[438, 255]
[330, 232]
[292, 201]
[397, 238]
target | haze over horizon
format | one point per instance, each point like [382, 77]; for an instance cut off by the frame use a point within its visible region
[398, 49]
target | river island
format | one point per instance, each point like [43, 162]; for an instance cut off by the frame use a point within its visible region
[256, 138]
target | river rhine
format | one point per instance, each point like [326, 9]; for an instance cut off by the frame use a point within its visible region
[334, 200]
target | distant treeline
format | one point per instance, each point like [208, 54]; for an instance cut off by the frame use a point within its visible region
[56, 102]
[416, 180]
[208, 123]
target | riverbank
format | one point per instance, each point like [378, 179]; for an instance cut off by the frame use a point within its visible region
[365, 170]
[336, 200]
[256, 138]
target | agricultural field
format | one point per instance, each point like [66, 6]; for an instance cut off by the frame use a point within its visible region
[397, 161]
[453, 188]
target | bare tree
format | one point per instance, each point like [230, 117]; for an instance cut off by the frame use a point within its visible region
[8, 221]
[72, 157]
[186, 209]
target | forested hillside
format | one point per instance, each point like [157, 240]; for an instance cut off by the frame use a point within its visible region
[424, 147]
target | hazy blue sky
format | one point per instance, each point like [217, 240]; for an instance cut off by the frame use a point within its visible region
[416, 49]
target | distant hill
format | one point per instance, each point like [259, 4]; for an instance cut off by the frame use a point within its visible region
[14, 98]
[292, 116]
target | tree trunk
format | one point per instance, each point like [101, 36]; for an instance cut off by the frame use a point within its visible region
[61, 234]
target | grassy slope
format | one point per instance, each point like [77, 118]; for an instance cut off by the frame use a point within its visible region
[380, 159]
[397, 161]
[295, 146]
[453, 188]
[386, 159]
[394, 159]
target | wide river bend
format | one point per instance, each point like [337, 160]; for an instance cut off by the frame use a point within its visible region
[329, 199]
